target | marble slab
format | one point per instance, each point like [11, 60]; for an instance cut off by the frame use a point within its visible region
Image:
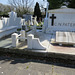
[71, 36]
[61, 37]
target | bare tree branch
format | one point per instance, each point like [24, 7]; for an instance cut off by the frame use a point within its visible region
[21, 4]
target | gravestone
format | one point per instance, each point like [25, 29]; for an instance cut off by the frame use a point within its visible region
[10, 25]
[14, 20]
[35, 21]
[12, 15]
[62, 19]
[27, 17]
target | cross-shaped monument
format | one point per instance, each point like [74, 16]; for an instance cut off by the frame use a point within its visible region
[52, 17]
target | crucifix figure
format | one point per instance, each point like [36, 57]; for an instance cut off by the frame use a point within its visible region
[52, 17]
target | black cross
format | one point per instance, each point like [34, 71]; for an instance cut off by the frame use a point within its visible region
[52, 17]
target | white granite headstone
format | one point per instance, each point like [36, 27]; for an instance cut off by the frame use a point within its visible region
[62, 19]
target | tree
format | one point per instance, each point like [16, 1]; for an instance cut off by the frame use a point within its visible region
[37, 11]
[54, 4]
[21, 6]
[71, 3]
[4, 9]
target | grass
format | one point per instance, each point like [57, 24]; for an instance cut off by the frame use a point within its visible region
[19, 29]
[39, 28]
[27, 67]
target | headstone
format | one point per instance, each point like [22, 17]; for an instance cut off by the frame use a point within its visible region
[23, 22]
[35, 21]
[12, 15]
[62, 19]
[27, 17]
[1, 24]
[14, 20]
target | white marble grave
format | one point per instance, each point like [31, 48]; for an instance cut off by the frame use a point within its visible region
[34, 43]
[62, 19]
[10, 25]
[15, 21]
[27, 17]
[34, 20]
[16, 37]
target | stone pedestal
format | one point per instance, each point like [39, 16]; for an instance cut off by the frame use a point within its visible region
[15, 40]
[30, 40]
[22, 37]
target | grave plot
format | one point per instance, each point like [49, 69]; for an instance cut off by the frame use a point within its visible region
[61, 28]
[10, 25]
[20, 41]
[62, 19]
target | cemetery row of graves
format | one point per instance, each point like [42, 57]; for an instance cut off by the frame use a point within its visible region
[58, 28]
[19, 29]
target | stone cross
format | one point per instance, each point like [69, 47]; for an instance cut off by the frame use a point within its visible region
[52, 17]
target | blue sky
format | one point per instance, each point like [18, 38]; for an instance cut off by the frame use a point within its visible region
[40, 2]
[6, 1]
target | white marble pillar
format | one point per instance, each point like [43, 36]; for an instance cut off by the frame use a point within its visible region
[22, 37]
[15, 40]
[30, 41]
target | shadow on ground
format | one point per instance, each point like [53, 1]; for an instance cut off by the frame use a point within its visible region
[18, 58]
